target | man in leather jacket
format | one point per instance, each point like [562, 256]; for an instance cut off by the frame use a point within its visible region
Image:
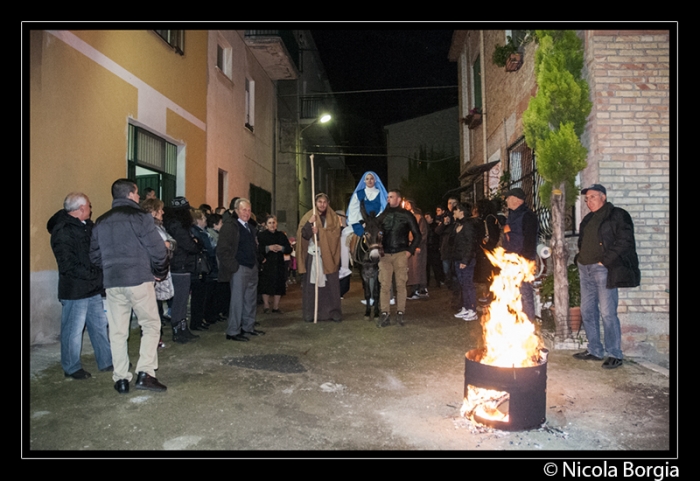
[396, 223]
[607, 260]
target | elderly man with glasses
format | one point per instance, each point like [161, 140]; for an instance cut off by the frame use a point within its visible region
[607, 260]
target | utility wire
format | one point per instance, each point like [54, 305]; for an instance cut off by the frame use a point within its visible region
[326, 94]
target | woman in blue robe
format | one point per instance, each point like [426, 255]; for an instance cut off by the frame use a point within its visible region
[370, 190]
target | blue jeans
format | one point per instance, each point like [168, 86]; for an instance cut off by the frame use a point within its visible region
[599, 302]
[76, 314]
[527, 293]
[466, 280]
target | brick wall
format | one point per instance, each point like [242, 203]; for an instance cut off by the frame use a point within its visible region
[628, 137]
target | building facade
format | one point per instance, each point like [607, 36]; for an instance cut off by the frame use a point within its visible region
[105, 105]
[435, 132]
[628, 142]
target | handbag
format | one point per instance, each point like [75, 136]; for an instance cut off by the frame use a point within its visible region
[202, 267]
[165, 289]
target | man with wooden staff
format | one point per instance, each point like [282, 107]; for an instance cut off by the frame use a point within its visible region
[319, 259]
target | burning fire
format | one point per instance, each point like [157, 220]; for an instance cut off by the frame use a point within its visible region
[509, 336]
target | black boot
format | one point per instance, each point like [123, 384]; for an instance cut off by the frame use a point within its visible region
[178, 336]
[186, 332]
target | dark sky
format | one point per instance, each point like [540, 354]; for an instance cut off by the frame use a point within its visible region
[367, 60]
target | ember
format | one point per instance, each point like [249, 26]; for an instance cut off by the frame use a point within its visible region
[505, 382]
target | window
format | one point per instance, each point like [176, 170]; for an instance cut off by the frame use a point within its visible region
[523, 173]
[152, 162]
[249, 103]
[260, 202]
[517, 35]
[521, 166]
[224, 56]
[174, 38]
[476, 77]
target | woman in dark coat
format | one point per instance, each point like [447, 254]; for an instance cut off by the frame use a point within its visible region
[202, 307]
[177, 220]
[273, 245]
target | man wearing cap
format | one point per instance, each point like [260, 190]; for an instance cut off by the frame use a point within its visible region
[520, 237]
[607, 260]
[126, 245]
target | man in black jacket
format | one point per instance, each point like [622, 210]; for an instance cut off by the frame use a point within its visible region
[607, 260]
[79, 286]
[397, 222]
[132, 255]
[520, 236]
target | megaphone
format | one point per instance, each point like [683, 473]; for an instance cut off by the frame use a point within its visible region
[544, 251]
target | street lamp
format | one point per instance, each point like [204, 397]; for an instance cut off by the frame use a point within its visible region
[301, 160]
[322, 119]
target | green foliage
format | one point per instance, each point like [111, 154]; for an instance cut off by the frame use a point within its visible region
[501, 53]
[559, 154]
[556, 116]
[430, 175]
[547, 288]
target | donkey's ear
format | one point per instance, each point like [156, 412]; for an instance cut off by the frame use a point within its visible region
[363, 211]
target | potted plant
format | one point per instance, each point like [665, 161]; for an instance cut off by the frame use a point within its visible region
[547, 294]
[510, 55]
[507, 56]
[473, 120]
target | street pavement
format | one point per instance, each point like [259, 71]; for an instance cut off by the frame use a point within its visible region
[348, 388]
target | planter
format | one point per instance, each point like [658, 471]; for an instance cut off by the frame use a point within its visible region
[514, 62]
[472, 121]
[575, 319]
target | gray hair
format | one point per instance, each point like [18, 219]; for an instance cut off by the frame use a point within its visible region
[239, 201]
[74, 200]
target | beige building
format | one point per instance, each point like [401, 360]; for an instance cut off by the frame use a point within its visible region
[105, 105]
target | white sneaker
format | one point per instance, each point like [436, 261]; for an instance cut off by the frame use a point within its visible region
[392, 301]
[414, 297]
[364, 301]
[462, 312]
[470, 315]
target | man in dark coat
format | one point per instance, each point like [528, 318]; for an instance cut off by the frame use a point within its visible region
[126, 245]
[607, 260]
[520, 237]
[79, 286]
[236, 252]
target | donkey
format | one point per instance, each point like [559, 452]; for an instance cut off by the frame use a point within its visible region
[367, 253]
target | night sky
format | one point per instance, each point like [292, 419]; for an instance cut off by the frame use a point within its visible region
[366, 60]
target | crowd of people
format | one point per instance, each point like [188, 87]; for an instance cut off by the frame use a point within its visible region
[153, 261]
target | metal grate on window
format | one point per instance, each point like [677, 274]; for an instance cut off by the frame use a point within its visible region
[148, 150]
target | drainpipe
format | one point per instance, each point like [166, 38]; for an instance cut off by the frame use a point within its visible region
[484, 107]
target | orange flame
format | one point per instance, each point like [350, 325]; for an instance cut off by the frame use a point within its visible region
[509, 336]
